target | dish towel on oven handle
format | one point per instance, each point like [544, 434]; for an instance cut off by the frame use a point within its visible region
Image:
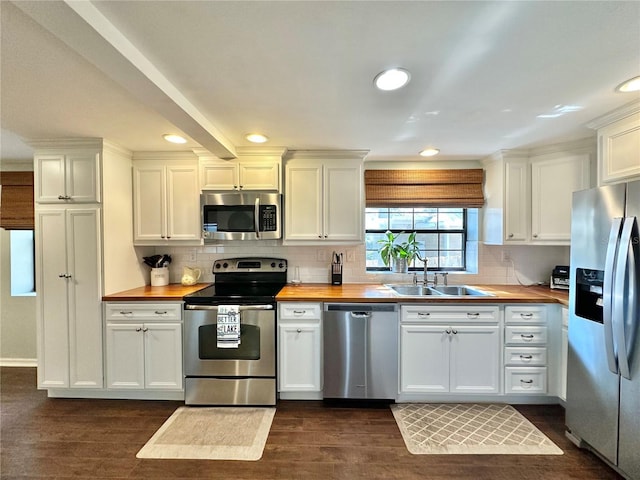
[228, 330]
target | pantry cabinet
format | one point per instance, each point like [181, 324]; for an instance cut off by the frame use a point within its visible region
[300, 350]
[450, 350]
[529, 193]
[68, 279]
[69, 178]
[324, 198]
[143, 346]
[166, 201]
[619, 144]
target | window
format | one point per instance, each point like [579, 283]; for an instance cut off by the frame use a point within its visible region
[22, 263]
[442, 233]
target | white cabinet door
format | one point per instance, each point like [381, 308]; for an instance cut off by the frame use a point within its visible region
[475, 359]
[259, 176]
[220, 176]
[619, 150]
[300, 355]
[564, 350]
[163, 355]
[303, 202]
[183, 203]
[166, 203]
[149, 202]
[70, 178]
[516, 208]
[125, 355]
[69, 314]
[553, 181]
[424, 358]
[343, 210]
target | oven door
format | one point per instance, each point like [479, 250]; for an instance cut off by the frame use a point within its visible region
[254, 357]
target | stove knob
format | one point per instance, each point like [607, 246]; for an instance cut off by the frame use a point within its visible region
[281, 265]
[273, 264]
[217, 265]
[225, 265]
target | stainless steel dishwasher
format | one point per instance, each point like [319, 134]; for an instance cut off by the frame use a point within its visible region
[360, 351]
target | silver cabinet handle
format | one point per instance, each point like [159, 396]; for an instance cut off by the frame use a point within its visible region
[526, 357]
[423, 314]
[535, 235]
[473, 314]
[145, 329]
[139, 329]
[124, 312]
[455, 332]
[526, 381]
[528, 336]
[526, 315]
[299, 330]
[64, 197]
[447, 331]
[64, 275]
[158, 312]
[511, 235]
[299, 312]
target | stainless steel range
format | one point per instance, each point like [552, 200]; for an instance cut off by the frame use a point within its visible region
[229, 363]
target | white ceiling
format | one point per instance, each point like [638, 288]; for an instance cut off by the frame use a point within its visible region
[301, 72]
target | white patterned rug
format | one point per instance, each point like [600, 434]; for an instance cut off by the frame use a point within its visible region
[448, 428]
[216, 433]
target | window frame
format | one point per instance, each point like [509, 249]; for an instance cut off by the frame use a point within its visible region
[413, 268]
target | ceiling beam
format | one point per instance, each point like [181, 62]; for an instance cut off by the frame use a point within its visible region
[81, 26]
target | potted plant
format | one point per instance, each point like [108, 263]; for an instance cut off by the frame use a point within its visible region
[399, 255]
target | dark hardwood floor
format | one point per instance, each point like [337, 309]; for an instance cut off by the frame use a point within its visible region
[99, 439]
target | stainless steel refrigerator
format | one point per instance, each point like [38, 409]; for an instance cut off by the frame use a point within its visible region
[603, 378]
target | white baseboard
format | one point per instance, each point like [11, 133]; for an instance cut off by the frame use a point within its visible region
[18, 362]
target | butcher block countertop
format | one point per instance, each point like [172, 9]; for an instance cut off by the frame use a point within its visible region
[173, 291]
[355, 292]
[374, 293]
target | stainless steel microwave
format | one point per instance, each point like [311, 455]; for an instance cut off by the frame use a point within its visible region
[241, 216]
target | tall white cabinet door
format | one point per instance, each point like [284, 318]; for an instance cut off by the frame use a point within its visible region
[83, 183]
[517, 195]
[51, 300]
[553, 182]
[424, 359]
[183, 203]
[149, 202]
[163, 355]
[300, 356]
[125, 355]
[303, 202]
[475, 359]
[84, 293]
[343, 208]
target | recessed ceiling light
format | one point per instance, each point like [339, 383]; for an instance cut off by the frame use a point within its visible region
[256, 137]
[392, 79]
[170, 137]
[631, 85]
[429, 152]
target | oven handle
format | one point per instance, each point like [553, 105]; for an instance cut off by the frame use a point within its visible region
[242, 308]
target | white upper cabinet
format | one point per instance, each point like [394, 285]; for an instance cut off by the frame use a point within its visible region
[619, 144]
[529, 194]
[166, 201]
[253, 170]
[324, 197]
[72, 177]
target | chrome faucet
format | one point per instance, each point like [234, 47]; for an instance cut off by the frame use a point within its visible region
[425, 275]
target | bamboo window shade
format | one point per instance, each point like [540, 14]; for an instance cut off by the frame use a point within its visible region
[16, 201]
[424, 188]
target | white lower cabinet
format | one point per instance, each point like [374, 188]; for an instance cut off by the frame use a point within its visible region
[143, 346]
[526, 355]
[450, 349]
[564, 350]
[300, 350]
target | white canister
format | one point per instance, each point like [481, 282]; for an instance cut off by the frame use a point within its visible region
[159, 277]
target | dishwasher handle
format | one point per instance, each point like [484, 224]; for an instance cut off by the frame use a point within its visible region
[360, 314]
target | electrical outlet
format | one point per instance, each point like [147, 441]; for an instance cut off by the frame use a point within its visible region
[192, 256]
[321, 255]
[506, 258]
[351, 256]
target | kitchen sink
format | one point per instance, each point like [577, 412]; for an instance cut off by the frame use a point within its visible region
[412, 290]
[462, 291]
[405, 290]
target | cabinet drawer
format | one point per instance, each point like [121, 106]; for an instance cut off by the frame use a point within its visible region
[525, 314]
[297, 311]
[445, 315]
[143, 311]
[524, 356]
[525, 335]
[527, 380]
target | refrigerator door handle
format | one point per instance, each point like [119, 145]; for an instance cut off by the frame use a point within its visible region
[607, 311]
[623, 300]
